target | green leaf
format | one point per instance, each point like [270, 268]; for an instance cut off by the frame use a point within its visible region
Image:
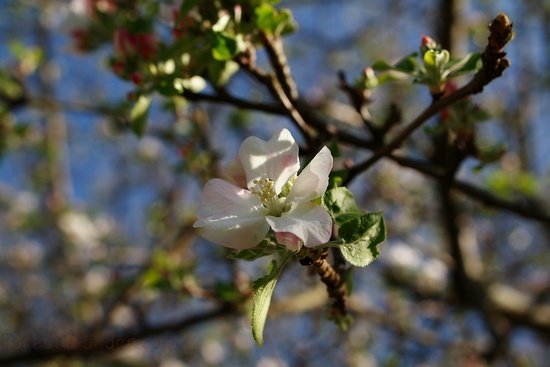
[138, 115]
[436, 59]
[227, 46]
[407, 65]
[357, 225]
[220, 72]
[364, 233]
[166, 86]
[274, 21]
[9, 87]
[381, 65]
[339, 200]
[227, 292]
[263, 291]
[388, 77]
[469, 64]
[345, 217]
[261, 250]
[337, 178]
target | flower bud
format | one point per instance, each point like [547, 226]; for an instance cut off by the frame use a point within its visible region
[137, 78]
[288, 239]
[124, 44]
[428, 43]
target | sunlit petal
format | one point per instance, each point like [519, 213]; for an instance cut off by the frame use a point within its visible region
[221, 199]
[276, 159]
[230, 216]
[313, 180]
[307, 221]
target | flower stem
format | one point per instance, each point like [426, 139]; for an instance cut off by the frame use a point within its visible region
[336, 284]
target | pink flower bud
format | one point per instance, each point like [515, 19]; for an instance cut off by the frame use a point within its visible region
[147, 45]
[288, 239]
[124, 44]
[181, 25]
[118, 67]
[428, 43]
[238, 13]
[127, 45]
[137, 78]
[81, 38]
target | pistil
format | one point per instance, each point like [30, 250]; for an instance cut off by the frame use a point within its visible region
[265, 191]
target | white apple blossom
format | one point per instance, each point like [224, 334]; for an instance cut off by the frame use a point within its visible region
[277, 198]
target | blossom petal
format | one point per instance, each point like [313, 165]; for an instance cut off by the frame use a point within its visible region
[276, 159]
[230, 216]
[308, 221]
[312, 182]
[234, 232]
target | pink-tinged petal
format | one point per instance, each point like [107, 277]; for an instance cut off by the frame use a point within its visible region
[288, 239]
[309, 222]
[222, 199]
[276, 159]
[230, 216]
[234, 173]
[312, 182]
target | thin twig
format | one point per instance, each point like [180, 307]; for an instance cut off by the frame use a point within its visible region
[73, 347]
[277, 58]
[276, 89]
[235, 101]
[494, 65]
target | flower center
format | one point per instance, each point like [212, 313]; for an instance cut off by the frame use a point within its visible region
[265, 191]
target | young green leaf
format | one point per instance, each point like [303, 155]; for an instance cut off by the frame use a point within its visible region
[274, 21]
[362, 235]
[220, 72]
[138, 115]
[227, 46]
[263, 291]
[261, 250]
[339, 201]
[407, 65]
[469, 64]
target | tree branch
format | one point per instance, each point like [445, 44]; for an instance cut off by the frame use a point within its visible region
[494, 65]
[72, 346]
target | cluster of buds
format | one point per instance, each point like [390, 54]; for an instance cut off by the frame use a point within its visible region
[428, 44]
[182, 24]
[128, 45]
[87, 12]
[129, 51]
[435, 60]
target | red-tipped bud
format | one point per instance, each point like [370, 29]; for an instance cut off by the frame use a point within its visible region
[124, 44]
[428, 43]
[81, 39]
[118, 67]
[137, 78]
[147, 45]
[127, 45]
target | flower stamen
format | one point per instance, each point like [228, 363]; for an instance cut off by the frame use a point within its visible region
[265, 190]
